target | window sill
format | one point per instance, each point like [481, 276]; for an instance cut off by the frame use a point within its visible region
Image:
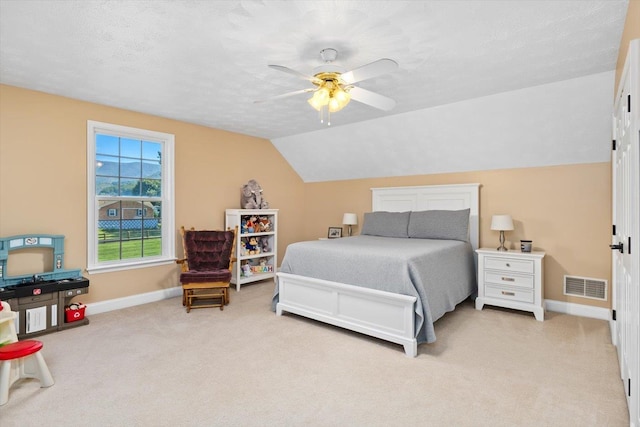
[108, 268]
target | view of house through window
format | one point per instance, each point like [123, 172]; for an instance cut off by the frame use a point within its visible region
[129, 181]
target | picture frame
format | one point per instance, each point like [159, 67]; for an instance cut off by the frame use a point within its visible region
[334, 232]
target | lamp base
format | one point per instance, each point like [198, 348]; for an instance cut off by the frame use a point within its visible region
[502, 247]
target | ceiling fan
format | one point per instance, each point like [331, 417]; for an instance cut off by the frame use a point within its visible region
[334, 87]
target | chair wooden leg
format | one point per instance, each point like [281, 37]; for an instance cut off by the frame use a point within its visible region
[202, 294]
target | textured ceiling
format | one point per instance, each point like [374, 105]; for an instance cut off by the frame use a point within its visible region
[205, 62]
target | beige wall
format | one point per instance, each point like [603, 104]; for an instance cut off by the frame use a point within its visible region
[565, 210]
[43, 179]
[631, 31]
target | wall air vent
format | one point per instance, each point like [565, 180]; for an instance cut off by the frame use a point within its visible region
[585, 287]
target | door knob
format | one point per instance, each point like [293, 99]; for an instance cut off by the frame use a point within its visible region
[619, 247]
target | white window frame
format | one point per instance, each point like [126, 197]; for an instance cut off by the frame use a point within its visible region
[111, 212]
[168, 199]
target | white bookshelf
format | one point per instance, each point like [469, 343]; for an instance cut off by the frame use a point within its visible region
[263, 263]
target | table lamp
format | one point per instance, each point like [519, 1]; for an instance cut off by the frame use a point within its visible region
[502, 223]
[350, 219]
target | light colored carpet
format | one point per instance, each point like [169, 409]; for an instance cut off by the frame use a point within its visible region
[156, 365]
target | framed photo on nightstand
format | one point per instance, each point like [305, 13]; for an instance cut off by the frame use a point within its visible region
[334, 232]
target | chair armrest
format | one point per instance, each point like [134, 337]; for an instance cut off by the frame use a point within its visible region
[183, 264]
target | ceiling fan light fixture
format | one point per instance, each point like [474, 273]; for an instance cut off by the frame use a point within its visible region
[334, 105]
[342, 96]
[322, 95]
[339, 100]
[335, 87]
[314, 103]
[330, 94]
[320, 98]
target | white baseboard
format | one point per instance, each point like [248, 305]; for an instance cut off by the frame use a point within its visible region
[133, 300]
[578, 309]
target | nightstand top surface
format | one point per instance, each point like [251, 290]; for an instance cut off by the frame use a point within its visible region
[511, 253]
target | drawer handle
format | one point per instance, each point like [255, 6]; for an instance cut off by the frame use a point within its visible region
[508, 265]
[511, 294]
[508, 279]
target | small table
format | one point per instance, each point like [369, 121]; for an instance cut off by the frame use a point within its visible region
[511, 279]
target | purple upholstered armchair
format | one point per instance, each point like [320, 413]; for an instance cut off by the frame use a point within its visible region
[206, 267]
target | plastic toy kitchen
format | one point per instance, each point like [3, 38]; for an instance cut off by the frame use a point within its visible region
[42, 299]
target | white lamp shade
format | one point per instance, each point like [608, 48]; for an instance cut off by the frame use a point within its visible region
[350, 219]
[501, 222]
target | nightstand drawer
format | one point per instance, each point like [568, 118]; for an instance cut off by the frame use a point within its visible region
[506, 278]
[509, 294]
[508, 264]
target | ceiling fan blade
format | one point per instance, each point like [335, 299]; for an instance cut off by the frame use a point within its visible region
[295, 73]
[374, 69]
[371, 98]
[285, 95]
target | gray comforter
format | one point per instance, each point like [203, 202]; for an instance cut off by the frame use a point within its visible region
[440, 273]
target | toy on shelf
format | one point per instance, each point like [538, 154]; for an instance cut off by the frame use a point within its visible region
[246, 270]
[264, 245]
[252, 246]
[251, 197]
[264, 224]
[251, 226]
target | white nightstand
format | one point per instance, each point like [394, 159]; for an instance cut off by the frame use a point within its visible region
[511, 279]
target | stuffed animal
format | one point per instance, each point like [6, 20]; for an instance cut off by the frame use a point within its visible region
[247, 200]
[251, 225]
[264, 245]
[251, 197]
[265, 224]
[243, 248]
[252, 246]
[255, 224]
[246, 270]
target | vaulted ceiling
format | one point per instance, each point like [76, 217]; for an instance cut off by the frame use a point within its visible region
[206, 62]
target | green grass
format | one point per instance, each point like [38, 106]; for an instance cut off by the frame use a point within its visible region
[110, 251]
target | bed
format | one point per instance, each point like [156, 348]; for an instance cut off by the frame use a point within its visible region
[413, 261]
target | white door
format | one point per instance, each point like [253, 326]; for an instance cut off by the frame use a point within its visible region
[626, 187]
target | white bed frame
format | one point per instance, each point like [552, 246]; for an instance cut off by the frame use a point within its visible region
[380, 314]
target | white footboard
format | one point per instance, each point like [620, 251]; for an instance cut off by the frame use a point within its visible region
[380, 314]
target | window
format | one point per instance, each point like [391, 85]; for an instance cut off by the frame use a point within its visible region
[130, 197]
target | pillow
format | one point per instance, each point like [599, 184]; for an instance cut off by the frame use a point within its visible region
[445, 225]
[386, 224]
